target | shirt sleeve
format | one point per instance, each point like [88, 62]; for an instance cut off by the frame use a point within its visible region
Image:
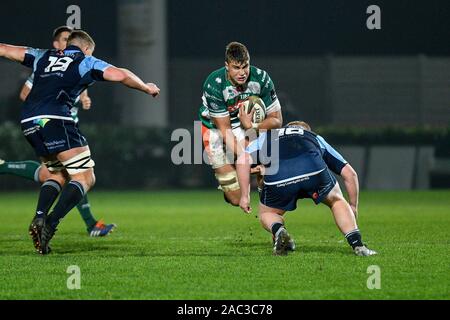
[214, 102]
[30, 80]
[268, 94]
[93, 67]
[332, 158]
[32, 56]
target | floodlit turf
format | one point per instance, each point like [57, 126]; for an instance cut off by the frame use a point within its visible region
[191, 245]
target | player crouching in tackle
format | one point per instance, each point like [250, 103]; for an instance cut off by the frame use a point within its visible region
[224, 124]
[59, 78]
[300, 164]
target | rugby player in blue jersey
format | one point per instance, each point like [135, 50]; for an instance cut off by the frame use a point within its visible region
[38, 172]
[298, 164]
[59, 78]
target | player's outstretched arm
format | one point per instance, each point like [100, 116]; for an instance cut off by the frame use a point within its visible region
[350, 178]
[130, 80]
[243, 165]
[13, 53]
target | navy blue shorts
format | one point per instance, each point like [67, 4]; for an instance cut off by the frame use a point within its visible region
[284, 196]
[51, 136]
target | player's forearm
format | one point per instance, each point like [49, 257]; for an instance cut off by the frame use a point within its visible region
[133, 81]
[3, 49]
[243, 165]
[274, 121]
[13, 53]
[350, 178]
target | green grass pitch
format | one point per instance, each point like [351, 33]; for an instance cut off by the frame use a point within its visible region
[191, 245]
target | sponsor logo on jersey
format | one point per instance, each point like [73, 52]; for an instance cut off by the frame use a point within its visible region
[237, 105]
[254, 87]
[41, 122]
[54, 144]
[214, 106]
[229, 93]
[31, 130]
[209, 96]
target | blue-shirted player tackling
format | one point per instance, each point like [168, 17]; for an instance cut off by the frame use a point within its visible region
[297, 165]
[59, 78]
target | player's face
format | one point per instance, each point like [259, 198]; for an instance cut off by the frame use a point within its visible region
[61, 43]
[238, 72]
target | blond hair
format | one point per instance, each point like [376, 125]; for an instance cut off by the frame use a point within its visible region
[81, 37]
[298, 123]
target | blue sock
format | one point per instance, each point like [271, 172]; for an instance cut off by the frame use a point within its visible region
[70, 197]
[50, 190]
[354, 238]
[275, 227]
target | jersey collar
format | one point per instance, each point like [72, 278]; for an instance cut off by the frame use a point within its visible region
[72, 49]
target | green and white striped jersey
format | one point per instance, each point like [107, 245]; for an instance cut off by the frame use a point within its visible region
[221, 98]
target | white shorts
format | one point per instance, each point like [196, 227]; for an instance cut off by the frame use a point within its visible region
[215, 147]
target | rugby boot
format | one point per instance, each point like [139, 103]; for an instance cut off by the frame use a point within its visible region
[46, 235]
[282, 239]
[291, 244]
[363, 251]
[100, 229]
[35, 229]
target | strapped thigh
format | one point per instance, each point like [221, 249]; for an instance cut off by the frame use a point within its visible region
[228, 181]
[80, 163]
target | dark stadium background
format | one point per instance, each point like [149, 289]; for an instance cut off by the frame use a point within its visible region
[381, 96]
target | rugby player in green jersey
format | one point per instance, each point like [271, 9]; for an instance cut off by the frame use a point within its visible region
[224, 123]
[34, 170]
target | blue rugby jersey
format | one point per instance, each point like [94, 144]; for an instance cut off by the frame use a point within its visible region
[300, 153]
[59, 77]
[73, 111]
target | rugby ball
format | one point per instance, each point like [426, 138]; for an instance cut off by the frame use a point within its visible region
[255, 102]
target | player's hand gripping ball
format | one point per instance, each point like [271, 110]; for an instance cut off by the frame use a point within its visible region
[256, 103]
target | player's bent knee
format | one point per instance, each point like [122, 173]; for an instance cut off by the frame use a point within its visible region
[333, 198]
[43, 174]
[94, 179]
[53, 166]
[86, 179]
[228, 181]
[232, 198]
[53, 170]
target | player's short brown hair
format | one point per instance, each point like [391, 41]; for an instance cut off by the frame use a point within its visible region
[81, 37]
[236, 52]
[57, 32]
[302, 124]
